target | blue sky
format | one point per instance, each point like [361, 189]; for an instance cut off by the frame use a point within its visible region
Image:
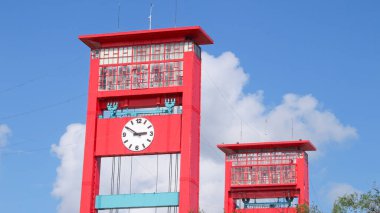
[327, 49]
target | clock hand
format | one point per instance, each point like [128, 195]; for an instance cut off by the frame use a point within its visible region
[140, 133]
[134, 132]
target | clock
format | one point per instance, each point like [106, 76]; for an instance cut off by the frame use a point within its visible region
[137, 134]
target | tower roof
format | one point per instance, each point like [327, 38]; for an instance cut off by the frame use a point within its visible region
[194, 33]
[304, 145]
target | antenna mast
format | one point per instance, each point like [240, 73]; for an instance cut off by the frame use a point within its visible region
[175, 13]
[150, 16]
[118, 17]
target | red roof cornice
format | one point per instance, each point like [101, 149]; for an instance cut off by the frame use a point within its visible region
[194, 33]
[304, 145]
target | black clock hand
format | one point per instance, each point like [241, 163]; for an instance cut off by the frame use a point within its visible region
[140, 133]
[134, 132]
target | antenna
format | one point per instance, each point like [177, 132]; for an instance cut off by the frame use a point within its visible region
[150, 16]
[118, 16]
[175, 13]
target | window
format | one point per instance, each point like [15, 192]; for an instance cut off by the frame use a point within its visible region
[166, 74]
[157, 52]
[198, 51]
[94, 54]
[173, 51]
[121, 67]
[124, 78]
[264, 167]
[107, 78]
[141, 53]
[188, 46]
[156, 75]
[139, 76]
[258, 175]
[108, 56]
[125, 55]
[173, 74]
[102, 78]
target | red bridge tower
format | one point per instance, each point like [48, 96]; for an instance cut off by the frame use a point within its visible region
[144, 99]
[266, 176]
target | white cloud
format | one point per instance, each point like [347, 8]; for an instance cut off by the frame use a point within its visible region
[339, 189]
[224, 107]
[67, 186]
[5, 132]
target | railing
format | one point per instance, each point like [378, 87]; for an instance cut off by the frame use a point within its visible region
[112, 110]
[264, 158]
[267, 205]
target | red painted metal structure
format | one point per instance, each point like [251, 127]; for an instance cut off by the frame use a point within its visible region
[123, 70]
[266, 176]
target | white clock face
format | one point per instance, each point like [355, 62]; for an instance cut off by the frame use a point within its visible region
[137, 134]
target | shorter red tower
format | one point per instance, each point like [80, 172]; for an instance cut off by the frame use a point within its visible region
[266, 176]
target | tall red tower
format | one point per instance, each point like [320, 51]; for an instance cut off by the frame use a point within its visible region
[144, 99]
[266, 176]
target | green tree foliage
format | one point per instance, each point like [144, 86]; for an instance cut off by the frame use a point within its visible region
[355, 202]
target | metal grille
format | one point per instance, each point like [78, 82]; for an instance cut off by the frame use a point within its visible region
[139, 76]
[262, 168]
[259, 175]
[144, 66]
